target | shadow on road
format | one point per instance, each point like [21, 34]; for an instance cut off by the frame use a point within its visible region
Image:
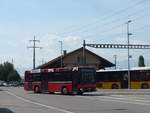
[5, 110]
[46, 93]
[69, 94]
[95, 95]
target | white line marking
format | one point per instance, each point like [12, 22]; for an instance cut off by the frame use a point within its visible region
[122, 101]
[128, 99]
[129, 102]
[36, 103]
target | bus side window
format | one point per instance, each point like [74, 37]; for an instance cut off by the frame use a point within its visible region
[148, 75]
[66, 76]
[36, 77]
[51, 76]
[57, 76]
[125, 77]
[44, 77]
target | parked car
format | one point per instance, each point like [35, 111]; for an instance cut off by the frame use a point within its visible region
[1, 83]
[14, 83]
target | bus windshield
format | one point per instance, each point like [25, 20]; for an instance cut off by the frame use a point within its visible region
[87, 76]
[32, 77]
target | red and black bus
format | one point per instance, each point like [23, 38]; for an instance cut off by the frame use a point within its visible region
[74, 80]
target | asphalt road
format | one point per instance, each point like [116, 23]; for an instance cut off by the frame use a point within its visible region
[16, 100]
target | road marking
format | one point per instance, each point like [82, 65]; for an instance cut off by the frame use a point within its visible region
[124, 101]
[127, 99]
[116, 100]
[36, 103]
[130, 97]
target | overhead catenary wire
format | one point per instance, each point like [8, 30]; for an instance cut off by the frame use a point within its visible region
[120, 25]
[106, 17]
[116, 21]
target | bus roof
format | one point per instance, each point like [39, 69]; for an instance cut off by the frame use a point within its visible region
[132, 69]
[58, 69]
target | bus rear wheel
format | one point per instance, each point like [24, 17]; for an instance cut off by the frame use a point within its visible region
[36, 89]
[144, 86]
[80, 92]
[64, 91]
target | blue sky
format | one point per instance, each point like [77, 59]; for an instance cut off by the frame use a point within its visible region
[71, 21]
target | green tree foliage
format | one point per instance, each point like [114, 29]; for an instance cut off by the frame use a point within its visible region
[8, 73]
[1, 72]
[14, 76]
[141, 62]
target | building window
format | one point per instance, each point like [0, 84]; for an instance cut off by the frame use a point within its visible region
[80, 60]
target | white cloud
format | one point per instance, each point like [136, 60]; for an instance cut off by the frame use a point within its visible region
[50, 42]
[73, 41]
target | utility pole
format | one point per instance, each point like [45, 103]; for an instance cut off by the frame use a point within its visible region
[61, 48]
[115, 56]
[128, 36]
[34, 47]
[84, 57]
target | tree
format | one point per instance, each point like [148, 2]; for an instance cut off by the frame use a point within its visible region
[1, 72]
[7, 68]
[8, 73]
[141, 61]
[14, 76]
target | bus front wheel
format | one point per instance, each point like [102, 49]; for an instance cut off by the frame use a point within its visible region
[64, 90]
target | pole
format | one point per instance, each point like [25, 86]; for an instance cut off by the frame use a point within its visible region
[34, 53]
[115, 56]
[61, 47]
[34, 47]
[84, 58]
[128, 36]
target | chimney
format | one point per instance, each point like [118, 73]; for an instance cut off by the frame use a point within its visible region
[65, 52]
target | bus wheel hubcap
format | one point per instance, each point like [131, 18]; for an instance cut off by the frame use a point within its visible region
[65, 91]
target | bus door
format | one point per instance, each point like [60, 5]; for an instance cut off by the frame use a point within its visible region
[29, 80]
[75, 81]
[125, 81]
[44, 81]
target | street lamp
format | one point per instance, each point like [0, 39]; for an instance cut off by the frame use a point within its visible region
[128, 35]
[61, 45]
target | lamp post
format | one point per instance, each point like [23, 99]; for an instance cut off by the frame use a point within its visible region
[128, 36]
[61, 45]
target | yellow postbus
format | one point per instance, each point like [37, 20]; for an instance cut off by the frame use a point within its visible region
[118, 79]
